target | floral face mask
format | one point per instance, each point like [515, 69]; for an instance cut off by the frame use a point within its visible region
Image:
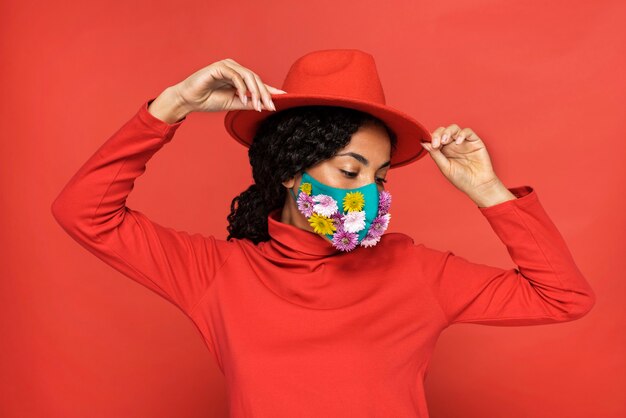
[349, 217]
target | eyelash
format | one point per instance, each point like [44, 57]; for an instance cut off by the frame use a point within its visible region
[350, 174]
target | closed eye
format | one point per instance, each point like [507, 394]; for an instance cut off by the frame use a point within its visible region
[352, 175]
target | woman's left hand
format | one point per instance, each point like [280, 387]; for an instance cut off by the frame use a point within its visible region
[463, 159]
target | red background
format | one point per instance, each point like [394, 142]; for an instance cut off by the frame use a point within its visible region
[542, 83]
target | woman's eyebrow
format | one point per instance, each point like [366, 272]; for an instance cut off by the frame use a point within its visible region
[362, 159]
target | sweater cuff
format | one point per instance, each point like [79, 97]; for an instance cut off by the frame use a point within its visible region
[524, 195]
[150, 121]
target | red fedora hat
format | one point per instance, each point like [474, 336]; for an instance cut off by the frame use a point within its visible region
[336, 77]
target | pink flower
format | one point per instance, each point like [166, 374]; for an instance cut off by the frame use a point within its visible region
[337, 218]
[384, 201]
[324, 205]
[305, 204]
[344, 240]
[370, 241]
[379, 225]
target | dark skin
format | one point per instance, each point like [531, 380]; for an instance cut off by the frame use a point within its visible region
[372, 143]
[459, 153]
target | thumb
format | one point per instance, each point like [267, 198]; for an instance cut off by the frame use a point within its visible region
[435, 154]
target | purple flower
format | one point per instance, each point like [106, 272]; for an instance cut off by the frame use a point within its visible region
[384, 201]
[337, 218]
[344, 240]
[370, 241]
[379, 225]
[305, 204]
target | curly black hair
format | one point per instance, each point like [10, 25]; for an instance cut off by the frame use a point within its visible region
[286, 143]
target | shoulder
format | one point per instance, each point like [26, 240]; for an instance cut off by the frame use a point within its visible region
[397, 239]
[399, 251]
[398, 244]
[407, 244]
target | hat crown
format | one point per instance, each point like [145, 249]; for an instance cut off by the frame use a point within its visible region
[350, 73]
[336, 77]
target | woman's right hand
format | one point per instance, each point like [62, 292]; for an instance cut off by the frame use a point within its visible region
[222, 86]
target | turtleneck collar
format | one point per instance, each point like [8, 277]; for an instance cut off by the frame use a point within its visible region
[305, 269]
[292, 241]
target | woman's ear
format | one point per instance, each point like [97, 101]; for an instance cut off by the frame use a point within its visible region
[291, 182]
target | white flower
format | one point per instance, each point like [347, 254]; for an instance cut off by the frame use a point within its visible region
[354, 221]
[369, 241]
[324, 205]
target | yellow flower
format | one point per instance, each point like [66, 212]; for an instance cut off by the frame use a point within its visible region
[353, 201]
[306, 188]
[322, 224]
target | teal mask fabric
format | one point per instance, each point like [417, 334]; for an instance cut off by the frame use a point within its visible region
[369, 191]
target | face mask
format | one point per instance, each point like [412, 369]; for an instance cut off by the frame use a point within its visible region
[349, 217]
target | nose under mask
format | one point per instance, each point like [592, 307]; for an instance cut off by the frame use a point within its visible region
[348, 217]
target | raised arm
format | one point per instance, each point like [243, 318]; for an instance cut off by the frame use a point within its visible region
[545, 287]
[92, 209]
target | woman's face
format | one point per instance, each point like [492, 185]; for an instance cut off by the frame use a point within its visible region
[364, 160]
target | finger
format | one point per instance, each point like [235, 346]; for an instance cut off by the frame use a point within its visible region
[436, 136]
[274, 90]
[448, 132]
[267, 98]
[250, 82]
[469, 136]
[254, 89]
[232, 77]
[461, 135]
[263, 89]
[269, 89]
[232, 61]
[436, 154]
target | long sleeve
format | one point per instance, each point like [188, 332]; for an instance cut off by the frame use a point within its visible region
[545, 287]
[91, 208]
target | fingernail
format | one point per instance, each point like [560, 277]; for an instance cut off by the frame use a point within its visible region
[272, 104]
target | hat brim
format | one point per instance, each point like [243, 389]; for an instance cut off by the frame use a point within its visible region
[242, 124]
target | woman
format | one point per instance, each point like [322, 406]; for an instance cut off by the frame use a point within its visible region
[307, 307]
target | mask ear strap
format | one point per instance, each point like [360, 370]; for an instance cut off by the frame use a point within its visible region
[294, 195]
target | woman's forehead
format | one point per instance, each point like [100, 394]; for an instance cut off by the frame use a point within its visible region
[371, 142]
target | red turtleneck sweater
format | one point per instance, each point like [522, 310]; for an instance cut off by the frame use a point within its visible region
[298, 328]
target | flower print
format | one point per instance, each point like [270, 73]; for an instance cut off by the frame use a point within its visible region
[379, 225]
[322, 224]
[337, 218]
[326, 218]
[354, 221]
[384, 201]
[324, 205]
[337, 215]
[353, 201]
[344, 240]
[370, 241]
[305, 204]
[306, 188]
